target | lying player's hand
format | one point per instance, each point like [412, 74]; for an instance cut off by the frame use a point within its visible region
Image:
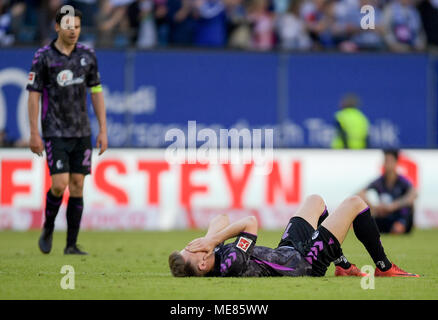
[202, 245]
[36, 144]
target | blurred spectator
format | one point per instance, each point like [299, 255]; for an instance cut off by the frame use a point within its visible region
[11, 19]
[403, 30]
[342, 23]
[46, 11]
[181, 22]
[6, 39]
[262, 25]
[113, 20]
[147, 31]
[370, 39]
[89, 9]
[281, 6]
[211, 24]
[292, 32]
[245, 24]
[239, 26]
[351, 125]
[162, 21]
[428, 10]
[317, 19]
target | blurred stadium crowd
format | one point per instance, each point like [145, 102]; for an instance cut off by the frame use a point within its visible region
[299, 25]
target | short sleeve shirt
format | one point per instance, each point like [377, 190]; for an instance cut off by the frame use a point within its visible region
[62, 81]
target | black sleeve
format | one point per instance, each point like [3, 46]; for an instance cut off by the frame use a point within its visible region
[239, 255]
[37, 73]
[405, 184]
[93, 76]
[374, 185]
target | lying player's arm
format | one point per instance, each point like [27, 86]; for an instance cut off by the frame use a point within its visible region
[99, 110]
[217, 224]
[207, 244]
[35, 143]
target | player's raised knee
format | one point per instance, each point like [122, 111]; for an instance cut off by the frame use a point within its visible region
[316, 199]
[356, 202]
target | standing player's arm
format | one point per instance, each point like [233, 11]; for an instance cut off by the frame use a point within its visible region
[217, 224]
[35, 143]
[99, 110]
[406, 201]
[207, 244]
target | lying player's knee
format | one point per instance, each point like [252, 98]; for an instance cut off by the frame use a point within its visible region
[317, 200]
[356, 202]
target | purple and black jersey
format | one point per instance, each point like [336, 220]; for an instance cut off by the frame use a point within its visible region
[63, 81]
[243, 258]
[388, 194]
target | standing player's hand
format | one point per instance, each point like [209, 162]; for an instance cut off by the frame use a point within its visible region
[102, 142]
[36, 144]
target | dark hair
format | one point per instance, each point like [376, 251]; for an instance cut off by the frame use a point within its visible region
[60, 15]
[179, 267]
[394, 152]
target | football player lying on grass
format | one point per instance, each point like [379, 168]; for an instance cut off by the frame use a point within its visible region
[311, 241]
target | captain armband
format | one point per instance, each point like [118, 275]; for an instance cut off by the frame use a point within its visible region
[96, 89]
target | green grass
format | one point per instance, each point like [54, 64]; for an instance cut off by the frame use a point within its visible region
[133, 265]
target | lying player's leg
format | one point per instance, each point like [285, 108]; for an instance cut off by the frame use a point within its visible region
[304, 222]
[314, 211]
[324, 246]
[343, 267]
[355, 210]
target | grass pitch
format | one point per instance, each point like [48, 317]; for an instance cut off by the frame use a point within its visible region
[133, 265]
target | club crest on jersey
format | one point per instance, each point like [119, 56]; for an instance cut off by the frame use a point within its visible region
[83, 62]
[59, 165]
[65, 78]
[244, 244]
[31, 78]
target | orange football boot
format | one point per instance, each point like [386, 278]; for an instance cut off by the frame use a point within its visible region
[353, 271]
[395, 271]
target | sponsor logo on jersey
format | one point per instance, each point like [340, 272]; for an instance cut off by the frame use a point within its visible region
[31, 78]
[244, 244]
[65, 78]
[83, 62]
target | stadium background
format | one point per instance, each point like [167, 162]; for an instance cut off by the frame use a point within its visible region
[295, 92]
